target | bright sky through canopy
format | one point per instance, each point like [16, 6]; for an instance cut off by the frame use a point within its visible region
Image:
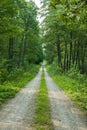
[37, 2]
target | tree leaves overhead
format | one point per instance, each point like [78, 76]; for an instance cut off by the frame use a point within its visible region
[65, 29]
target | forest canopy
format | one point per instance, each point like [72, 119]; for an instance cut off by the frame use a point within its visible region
[65, 33]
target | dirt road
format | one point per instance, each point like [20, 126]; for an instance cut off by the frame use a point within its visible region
[18, 113]
[64, 114]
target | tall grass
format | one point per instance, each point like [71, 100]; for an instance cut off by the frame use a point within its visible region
[15, 81]
[42, 111]
[73, 83]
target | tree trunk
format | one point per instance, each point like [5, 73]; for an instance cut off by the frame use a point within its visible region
[24, 51]
[74, 53]
[65, 57]
[78, 54]
[10, 53]
[70, 60]
[20, 52]
[59, 53]
[10, 49]
[83, 58]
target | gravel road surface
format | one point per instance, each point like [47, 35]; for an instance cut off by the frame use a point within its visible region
[18, 113]
[65, 116]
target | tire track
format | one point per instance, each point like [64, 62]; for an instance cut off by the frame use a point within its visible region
[18, 113]
[65, 116]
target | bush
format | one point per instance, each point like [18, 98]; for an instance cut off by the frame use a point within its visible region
[15, 80]
[74, 73]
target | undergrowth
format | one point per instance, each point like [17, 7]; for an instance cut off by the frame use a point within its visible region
[42, 118]
[75, 85]
[16, 80]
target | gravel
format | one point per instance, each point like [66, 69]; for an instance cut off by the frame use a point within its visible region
[18, 113]
[65, 116]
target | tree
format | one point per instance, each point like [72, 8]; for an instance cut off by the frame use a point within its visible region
[19, 34]
[65, 27]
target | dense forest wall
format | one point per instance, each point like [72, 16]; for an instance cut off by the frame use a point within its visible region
[65, 33]
[19, 34]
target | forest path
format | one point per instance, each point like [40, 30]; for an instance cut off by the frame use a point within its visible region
[18, 113]
[63, 112]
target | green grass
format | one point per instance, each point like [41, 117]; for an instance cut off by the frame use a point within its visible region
[42, 117]
[16, 81]
[76, 89]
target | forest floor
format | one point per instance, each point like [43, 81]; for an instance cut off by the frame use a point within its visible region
[19, 112]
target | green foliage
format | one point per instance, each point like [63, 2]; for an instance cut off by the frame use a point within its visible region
[42, 118]
[20, 45]
[74, 85]
[19, 36]
[75, 73]
[15, 81]
[64, 31]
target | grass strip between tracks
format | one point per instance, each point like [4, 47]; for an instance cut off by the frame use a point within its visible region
[43, 116]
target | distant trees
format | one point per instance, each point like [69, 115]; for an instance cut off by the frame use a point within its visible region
[19, 34]
[65, 33]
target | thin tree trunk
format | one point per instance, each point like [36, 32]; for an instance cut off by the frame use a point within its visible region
[67, 61]
[10, 49]
[78, 54]
[70, 60]
[24, 51]
[65, 56]
[20, 52]
[10, 53]
[74, 53]
[83, 58]
[59, 53]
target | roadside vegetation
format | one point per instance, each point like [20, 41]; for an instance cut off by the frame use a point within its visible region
[43, 117]
[73, 83]
[20, 45]
[17, 79]
[65, 46]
